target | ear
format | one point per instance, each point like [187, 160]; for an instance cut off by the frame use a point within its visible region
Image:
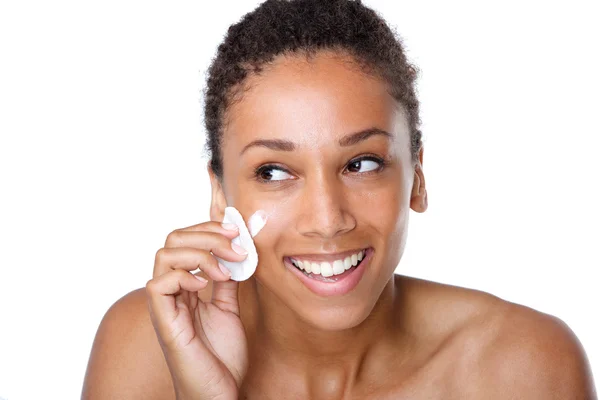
[418, 199]
[217, 200]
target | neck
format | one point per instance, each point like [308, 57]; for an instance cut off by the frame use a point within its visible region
[280, 340]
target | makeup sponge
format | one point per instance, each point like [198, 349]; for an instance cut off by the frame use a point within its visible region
[240, 271]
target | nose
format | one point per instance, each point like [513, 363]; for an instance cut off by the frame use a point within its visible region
[325, 208]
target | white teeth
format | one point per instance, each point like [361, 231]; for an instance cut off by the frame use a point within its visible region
[347, 263]
[307, 267]
[326, 269]
[315, 268]
[338, 267]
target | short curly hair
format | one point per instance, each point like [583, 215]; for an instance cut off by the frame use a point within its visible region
[278, 27]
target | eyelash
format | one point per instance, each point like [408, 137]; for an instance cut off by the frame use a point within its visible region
[382, 164]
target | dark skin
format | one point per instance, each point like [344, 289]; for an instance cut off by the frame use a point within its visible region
[390, 337]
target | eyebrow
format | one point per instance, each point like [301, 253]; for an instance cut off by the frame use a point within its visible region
[359, 136]
[348, 140]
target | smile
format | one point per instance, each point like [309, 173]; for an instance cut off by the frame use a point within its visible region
[330, 274]
[327, 268]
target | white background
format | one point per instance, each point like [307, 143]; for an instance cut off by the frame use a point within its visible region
[101, 156]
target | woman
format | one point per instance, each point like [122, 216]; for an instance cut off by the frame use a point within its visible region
[312, 118]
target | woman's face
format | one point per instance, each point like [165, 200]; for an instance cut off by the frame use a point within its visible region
[325, 151]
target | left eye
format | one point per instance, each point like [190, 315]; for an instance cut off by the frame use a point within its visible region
[272, 173]
[363, 165]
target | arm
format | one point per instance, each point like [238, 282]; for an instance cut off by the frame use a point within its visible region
[126, 361]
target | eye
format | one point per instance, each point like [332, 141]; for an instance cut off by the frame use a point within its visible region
[364, 164]
[272, 173]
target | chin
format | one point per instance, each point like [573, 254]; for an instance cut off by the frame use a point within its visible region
[337, 318]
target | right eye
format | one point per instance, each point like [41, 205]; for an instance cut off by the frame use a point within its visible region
[268, 173]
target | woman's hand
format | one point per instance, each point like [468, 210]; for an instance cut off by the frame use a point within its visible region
[204, 343]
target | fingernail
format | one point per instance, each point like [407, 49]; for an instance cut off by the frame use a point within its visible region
[225, 270]
[201, 279]
[230, 227]
[238, 249]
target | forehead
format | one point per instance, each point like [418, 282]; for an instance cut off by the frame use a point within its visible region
[312, 102]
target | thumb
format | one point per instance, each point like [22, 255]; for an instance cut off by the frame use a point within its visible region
[225, 296]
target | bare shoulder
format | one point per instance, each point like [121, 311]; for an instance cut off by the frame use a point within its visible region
[126, 361]
[534, 354]
[498, 349]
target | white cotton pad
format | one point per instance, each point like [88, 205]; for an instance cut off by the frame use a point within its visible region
[240, 271]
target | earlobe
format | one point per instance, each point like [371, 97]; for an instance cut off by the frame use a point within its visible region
[217, 201]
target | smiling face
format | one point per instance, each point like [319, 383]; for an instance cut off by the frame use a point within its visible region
[325, 151]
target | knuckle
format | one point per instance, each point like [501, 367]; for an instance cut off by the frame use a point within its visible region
[159, 256]
[150, 285]
[174, 239]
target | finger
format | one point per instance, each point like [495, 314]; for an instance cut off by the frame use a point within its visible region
[228, 230]
[225, 296]
[161, 294]
[189, 259]
[216, 243]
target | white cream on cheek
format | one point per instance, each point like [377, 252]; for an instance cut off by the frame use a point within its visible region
[256, 222]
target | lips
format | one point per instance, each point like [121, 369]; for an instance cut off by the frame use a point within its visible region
[329, 267]
[326, 274]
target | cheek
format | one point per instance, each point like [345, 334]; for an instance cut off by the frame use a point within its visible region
[383, 207]
[277, 226]
[384, 212]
